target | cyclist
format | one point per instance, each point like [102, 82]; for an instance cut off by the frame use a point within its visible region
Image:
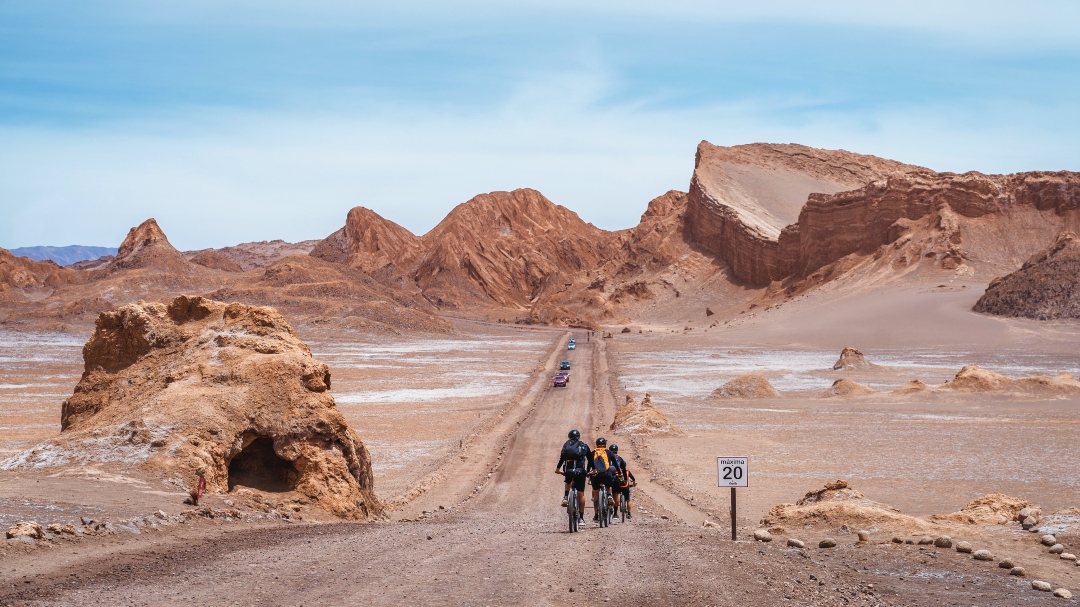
[603, 474]
[575, 462]
[626, 479]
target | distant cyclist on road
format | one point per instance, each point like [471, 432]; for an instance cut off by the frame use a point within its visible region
[575, 462]
[626, 478]
[603, 475]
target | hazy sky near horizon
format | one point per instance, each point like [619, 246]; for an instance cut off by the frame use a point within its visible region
[236, 120]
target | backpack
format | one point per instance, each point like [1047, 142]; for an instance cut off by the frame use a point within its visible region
[575, 453]
[602, 456]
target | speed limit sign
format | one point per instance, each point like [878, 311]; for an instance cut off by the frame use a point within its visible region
[732, 472]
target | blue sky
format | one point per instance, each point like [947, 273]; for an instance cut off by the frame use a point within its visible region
[234, 120]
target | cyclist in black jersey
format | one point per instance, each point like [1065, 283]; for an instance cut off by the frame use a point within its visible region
[626, 479]
[575, 463]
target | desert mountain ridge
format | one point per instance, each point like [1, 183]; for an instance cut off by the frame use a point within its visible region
[758, 223]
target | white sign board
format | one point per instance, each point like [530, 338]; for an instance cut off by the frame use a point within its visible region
[732, 472]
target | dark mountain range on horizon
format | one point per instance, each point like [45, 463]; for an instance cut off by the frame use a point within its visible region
[64, 256]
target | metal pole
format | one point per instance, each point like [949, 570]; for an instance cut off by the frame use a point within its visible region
[733, 514]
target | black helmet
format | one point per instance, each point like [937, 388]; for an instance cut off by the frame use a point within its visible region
[601, 442]
[613, 448]
[574, 435]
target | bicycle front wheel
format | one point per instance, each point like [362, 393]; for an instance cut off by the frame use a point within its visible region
[571, 510]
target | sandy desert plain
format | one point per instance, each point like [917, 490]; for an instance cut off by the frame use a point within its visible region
[461, 427]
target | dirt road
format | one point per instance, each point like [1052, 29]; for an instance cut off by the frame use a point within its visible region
[504, 544]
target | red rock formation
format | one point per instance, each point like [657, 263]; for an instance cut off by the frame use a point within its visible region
[146, 246]
[504, 248]
[216, 260]
[256, 255]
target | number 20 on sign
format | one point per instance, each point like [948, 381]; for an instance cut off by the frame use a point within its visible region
[731, 472]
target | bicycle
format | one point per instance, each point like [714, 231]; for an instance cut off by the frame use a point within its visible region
[622, 509]
[572, 509]
[603, 509]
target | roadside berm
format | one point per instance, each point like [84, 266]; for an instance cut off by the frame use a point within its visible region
[228, 392]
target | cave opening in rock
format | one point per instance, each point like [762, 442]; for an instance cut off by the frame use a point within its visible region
[259, 467]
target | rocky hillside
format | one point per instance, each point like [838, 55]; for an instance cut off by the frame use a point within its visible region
[1046, 287]
[23, 279]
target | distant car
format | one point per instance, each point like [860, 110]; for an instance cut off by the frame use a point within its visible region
[565, 365]
[561, 380]
[570, 346]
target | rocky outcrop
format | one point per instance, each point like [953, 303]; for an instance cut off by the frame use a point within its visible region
[750, 385]
[1046, 287]
[852, 360]
[839, 504]
[992, 509]
[643, 418]
[371, 243]
[225, 391]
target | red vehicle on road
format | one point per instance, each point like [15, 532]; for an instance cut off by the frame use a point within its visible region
[561, 379]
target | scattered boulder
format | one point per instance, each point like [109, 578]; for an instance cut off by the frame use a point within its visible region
[926, 540]
[1041, 586]
[26, 529]
[964, 547]
[1068, 556]
[1030, 523]
[1029, 511]
[1057, 549]
[625, 330]
[897, 539]
[864, 536]
[762, 535]
[708, 312]
[57, 529]
[643, 419]
[1006, 563]
[224, 391]
[845, 387]
[1018, 571]
[983, 555]
[1049, 540]
[750, 385]
[943, 542]
[1063, 593]
[794, 543]
[852, 360]
[827, 543]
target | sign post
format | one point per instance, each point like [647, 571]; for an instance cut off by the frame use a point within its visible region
[732, 472]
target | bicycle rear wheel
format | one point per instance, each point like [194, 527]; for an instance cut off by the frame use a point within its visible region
[571, 510]
[602, 507]
[622, 509]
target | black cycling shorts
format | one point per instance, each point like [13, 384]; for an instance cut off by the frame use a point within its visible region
[604, 479]
[625, 492]
[577, 478]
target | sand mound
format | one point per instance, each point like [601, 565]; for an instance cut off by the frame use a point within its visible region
[911, 387]
[974, 379]
[838, 504]
[852, 360]
[750, 385]
[1047, 286]
[228, 391]
[643, 418]
[989, 510]
[845, 387]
